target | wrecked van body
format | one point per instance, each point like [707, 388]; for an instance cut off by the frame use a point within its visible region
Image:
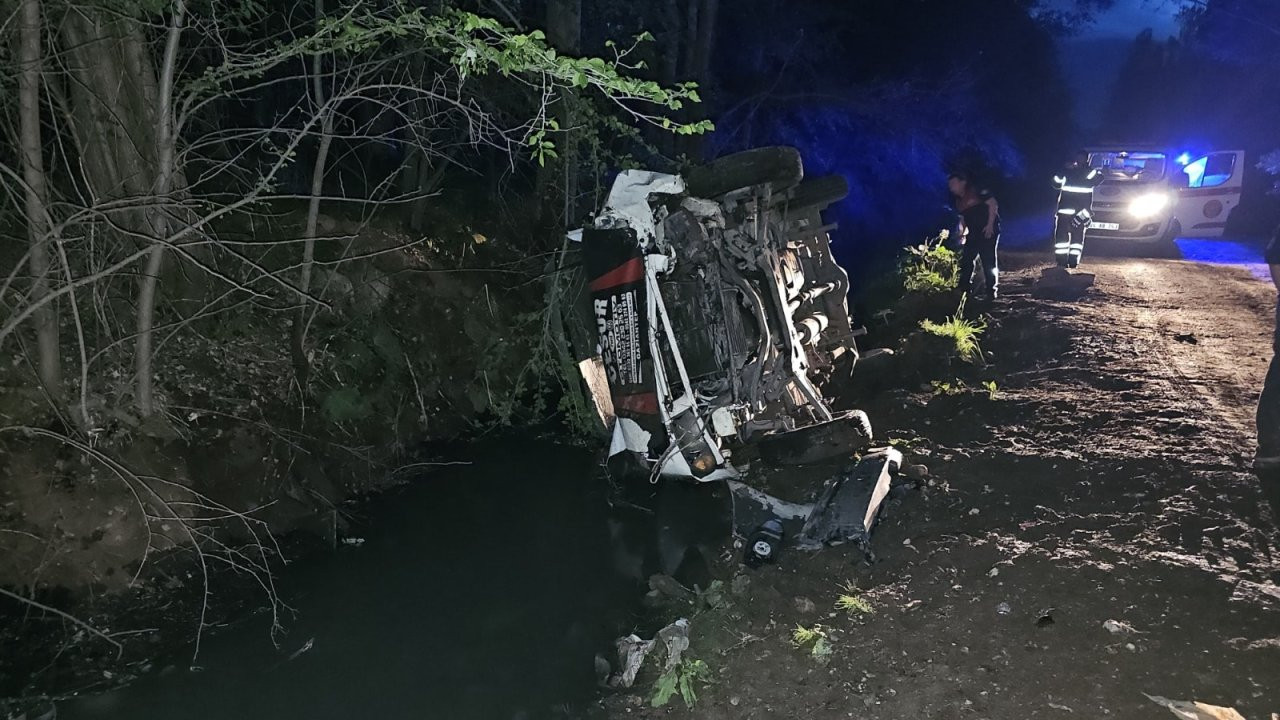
[720, 311]
[722, 334]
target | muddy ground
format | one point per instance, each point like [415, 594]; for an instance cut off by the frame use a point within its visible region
[1105, 480]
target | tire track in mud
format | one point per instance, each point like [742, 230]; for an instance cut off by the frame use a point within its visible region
[1186, 415]
[1225, 388]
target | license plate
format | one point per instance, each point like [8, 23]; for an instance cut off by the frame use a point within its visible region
[1104, 226]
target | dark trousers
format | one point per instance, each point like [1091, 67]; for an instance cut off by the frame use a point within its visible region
[1269, 404]
[973, 249]
[1269, 427]
[1068, 241]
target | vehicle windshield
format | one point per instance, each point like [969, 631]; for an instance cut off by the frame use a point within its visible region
[1143, 166]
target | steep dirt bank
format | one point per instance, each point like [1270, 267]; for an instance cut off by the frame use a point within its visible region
[1105, 480]
[175, 516]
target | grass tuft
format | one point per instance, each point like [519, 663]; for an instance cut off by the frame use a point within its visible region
[962, 332]
[851, 602]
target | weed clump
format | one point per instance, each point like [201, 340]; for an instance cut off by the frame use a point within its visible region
[962, 332]
[930, 267]
[683, 679]
[851, 602]
[814, 640]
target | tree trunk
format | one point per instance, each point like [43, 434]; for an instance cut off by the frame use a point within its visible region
[706, 42]
[564, 25]
[113, 100]
[564, 33]
[693, 32]
[298, 334]
[702, 44]
[30, 30]
[166, 142]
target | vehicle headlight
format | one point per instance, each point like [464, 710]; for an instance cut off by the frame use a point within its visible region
[1145, 206]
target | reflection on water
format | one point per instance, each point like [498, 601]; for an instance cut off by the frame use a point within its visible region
[478, 592]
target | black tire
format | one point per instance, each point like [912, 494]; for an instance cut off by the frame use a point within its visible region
[819, 192]
[836, 439]
[778, 165]
[1168, 246]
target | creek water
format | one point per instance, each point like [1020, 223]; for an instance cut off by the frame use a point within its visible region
[479, 591]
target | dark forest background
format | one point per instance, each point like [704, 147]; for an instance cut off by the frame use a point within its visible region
[169, 167]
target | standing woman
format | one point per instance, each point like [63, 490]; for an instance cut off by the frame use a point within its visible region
[979, 231]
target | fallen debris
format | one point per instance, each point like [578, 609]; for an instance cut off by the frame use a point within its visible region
[1195, 710]
[764, 544]
[1045, 617]
[1115, 627]
[632, 651]
[675, 641]
[850, 502]
[310, 643]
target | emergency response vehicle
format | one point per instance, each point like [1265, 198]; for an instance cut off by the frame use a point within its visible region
[1152, 195]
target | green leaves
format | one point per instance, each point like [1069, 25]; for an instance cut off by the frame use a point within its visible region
[380, 35]
[683, 679]
[930, 267]
[815, 640]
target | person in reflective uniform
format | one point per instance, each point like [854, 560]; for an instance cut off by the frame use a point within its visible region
[979, 227]
[1075, 209]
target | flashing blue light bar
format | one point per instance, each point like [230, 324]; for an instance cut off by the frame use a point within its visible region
[1184, 158]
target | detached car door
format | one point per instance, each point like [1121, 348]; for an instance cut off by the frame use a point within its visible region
[1209, 191]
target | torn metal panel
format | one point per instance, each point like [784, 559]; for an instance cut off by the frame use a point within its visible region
[628, 202]
[593, 374]
[846, 510]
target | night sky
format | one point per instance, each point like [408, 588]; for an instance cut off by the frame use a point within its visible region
[1127, 17]
[1092, 58]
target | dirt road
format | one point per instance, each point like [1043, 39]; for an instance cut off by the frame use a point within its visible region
[1105, 480]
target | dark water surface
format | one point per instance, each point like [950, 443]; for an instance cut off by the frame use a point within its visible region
[480, 591]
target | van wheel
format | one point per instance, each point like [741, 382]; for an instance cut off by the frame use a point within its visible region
[819, 192]
[836, 439]
[778, 165]
[1168, 246]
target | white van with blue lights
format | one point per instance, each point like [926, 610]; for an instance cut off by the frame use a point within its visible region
[1150, 195]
